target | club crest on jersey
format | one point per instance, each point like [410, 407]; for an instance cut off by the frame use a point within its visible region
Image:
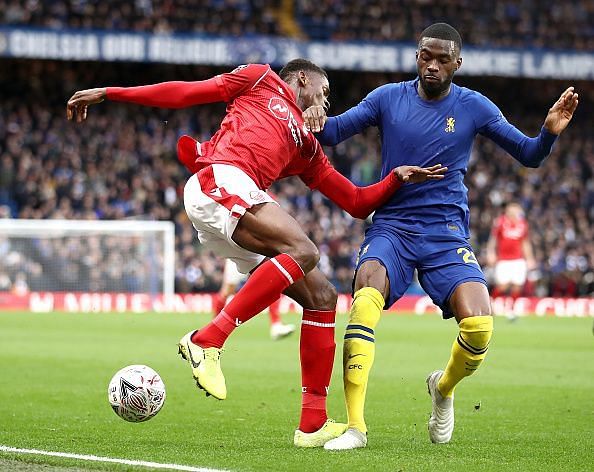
[257, 196]
[279, 108]
[450, 123]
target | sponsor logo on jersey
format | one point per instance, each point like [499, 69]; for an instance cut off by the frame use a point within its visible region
[279, 108]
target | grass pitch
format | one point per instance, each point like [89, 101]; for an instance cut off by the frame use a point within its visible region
[535, 391]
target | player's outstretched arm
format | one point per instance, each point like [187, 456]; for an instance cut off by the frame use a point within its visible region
[360, 202]
[530, 152]
[163, 95]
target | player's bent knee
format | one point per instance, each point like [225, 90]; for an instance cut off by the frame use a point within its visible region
[470, 311]
[325, 297]
[306, 254]
[373, 274]
[470, 299]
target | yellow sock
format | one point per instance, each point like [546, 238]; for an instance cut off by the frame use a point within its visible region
[359, 352]
[468, 351]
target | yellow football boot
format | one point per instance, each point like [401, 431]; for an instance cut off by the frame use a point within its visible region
[318, 438]
[206, 366]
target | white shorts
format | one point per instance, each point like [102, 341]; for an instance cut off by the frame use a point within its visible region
[232, 276]
[511, 272]
[215, 199]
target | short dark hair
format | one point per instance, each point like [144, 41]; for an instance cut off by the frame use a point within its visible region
[442, 31]
[300, 64]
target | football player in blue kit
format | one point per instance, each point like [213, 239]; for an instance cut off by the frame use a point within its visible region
[426, 121]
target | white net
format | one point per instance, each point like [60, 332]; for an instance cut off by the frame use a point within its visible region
[87, 256]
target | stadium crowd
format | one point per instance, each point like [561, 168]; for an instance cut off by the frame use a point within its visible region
[121, 164]
[229, 17]
[519, 23]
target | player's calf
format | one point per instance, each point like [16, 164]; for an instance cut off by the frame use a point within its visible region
[468, 351]
[359, 352]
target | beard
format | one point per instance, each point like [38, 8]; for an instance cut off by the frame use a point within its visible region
[435, 89]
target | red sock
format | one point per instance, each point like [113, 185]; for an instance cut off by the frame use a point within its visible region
[263, 287]
[273, 312]
[218, 303]
[317, 348]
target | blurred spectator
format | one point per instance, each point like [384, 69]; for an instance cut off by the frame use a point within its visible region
[120, 164]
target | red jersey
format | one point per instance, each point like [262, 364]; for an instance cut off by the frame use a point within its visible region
[510, 235]
[263, 132]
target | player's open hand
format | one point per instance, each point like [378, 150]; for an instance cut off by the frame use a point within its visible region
[79, 102]
[416, 174]
[561, 113]
[315, 118]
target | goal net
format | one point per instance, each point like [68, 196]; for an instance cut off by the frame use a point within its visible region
[87, 256]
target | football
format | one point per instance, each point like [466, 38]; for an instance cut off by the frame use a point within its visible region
[136, 393]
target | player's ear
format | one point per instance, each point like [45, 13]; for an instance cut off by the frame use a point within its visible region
[302, 78]
[458, 62]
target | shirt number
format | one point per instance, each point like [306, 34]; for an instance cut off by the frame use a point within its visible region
[467, 256]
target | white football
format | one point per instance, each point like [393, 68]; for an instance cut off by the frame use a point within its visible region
[136, 393]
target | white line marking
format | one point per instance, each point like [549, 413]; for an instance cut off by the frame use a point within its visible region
[84, 457]
[318, 324]
[282, 270]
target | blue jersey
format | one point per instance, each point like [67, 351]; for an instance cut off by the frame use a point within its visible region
[415, 131]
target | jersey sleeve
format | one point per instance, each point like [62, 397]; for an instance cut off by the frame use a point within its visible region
[241, 79]
[367, 113]
[318, 169]
[168, 94]
[491, 123]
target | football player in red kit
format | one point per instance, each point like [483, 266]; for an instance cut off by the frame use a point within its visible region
[262, 139]
[509, 251]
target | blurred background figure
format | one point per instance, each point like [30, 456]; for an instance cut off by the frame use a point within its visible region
[509, 251]
[232, 279]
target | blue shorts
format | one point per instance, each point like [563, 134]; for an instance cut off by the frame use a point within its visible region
[443, 261]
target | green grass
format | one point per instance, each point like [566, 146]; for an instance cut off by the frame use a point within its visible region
[536, 391]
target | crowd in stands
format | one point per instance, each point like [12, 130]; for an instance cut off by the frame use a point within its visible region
[216, 17]
[535, 23]
[120, 164]
[509, 23]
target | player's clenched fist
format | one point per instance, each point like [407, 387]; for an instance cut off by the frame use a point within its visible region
[416, 174]
[79, 102]
[315, 118]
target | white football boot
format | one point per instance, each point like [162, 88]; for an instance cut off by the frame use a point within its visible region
[351, 439]
[280, 330]
[441, 421]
